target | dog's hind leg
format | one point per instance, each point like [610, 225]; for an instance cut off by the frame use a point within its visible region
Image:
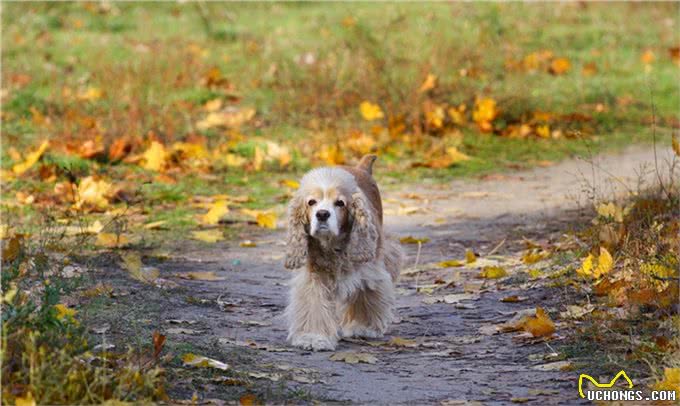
[368, 311]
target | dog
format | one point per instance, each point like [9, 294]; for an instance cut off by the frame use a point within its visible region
[350, 268]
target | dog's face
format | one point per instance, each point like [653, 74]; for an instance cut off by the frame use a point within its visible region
[327, 212]
[330, 208]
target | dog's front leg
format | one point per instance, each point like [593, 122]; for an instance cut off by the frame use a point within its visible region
[311, 312]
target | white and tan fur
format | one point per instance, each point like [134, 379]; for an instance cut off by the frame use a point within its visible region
[346, 286]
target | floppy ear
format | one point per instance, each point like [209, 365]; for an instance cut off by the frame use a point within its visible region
[363, 239]
[296, 238]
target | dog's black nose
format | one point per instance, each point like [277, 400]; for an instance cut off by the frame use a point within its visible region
[323, 215]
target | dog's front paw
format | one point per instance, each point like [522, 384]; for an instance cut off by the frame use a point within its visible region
[316, 342]
[361, 331]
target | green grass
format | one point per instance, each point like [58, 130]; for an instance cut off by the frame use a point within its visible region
[151, 59]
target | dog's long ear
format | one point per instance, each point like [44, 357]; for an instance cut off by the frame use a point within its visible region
[296, 238]
[363, 239]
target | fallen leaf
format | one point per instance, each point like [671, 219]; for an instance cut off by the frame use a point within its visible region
[493, 272]
[158, 343]
[248, 400]
[26, 400]
[577, 312]
[11, 249]
[154, 157]
[484, 113]
[111, 240]
[370, 111]
[200, 361]
[354, 357]
[429, 83]
[31, 159]
[513, 299]
[470, 256]
[559, 66]
[554, 366]
[402, 342]
[539, 325]
[413, 240]
[670, 381]
[231, 117]
[210, 236]
[293, 184]
[93, 193]
[64, 312]
[201, 276]
[451, 263]
[155, 225]
[217, 210]
[132, 262]
[247, 244]
[647, 57]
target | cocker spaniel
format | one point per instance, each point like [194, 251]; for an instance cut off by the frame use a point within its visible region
[335, 232]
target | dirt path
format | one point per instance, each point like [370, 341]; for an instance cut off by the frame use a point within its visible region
[452, 360]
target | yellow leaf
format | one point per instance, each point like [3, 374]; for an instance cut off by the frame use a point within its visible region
[231, 117]
[190, 150]
[540, 325]
[331, 154]
[247, 244]
[9, 295]
[90, 94]
[560, 66]
[470, 257]
[200, 361]
[451, 263]
[670, 381]
[611, 211]
[403, 342]
[31, 159]
[154, 157]
[154, 225]
[361, 143]
[455, 155]
[293, 184]
[132, 262]
[605, 263]
[64, 312]
[429, 83]
[278, 153]
[493, 272]
[213, 105]
[266, 220]
[648, 57]
[26, 400]
[435, 117]
[208, 235]
[217, 210]
[93, 192]
[354, 357]
[586, 268]
[484, 112]
[457, 114]
[533, 256]
[676, 144]
[233, 160]
[110, 240]
[370, 111]
[202, 276]
[413, 240]
[258, 160]
[543, 131]
[534, 273]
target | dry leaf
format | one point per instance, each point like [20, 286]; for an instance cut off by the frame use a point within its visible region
[470, 257]
[154, 157]
[217, 210]
[354, 357]
[403, 342]
[451, 263]
[31, 159]
[132, 262]
[26, 400]
[201, 276]
[493, 272]
[413, 240]
[539, 325]
[93, 193]
[370, 111]
[247, 244]
[429, 83]
[200, 361]
[208, 235]
[111, 240]
[560, 66]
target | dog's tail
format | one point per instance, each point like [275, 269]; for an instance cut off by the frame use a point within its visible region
[366, 163]
[394, 257]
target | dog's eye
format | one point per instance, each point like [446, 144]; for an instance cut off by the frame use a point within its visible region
[311, 202]
[340, 203]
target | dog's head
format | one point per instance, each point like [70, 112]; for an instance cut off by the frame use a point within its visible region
[330, 207]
